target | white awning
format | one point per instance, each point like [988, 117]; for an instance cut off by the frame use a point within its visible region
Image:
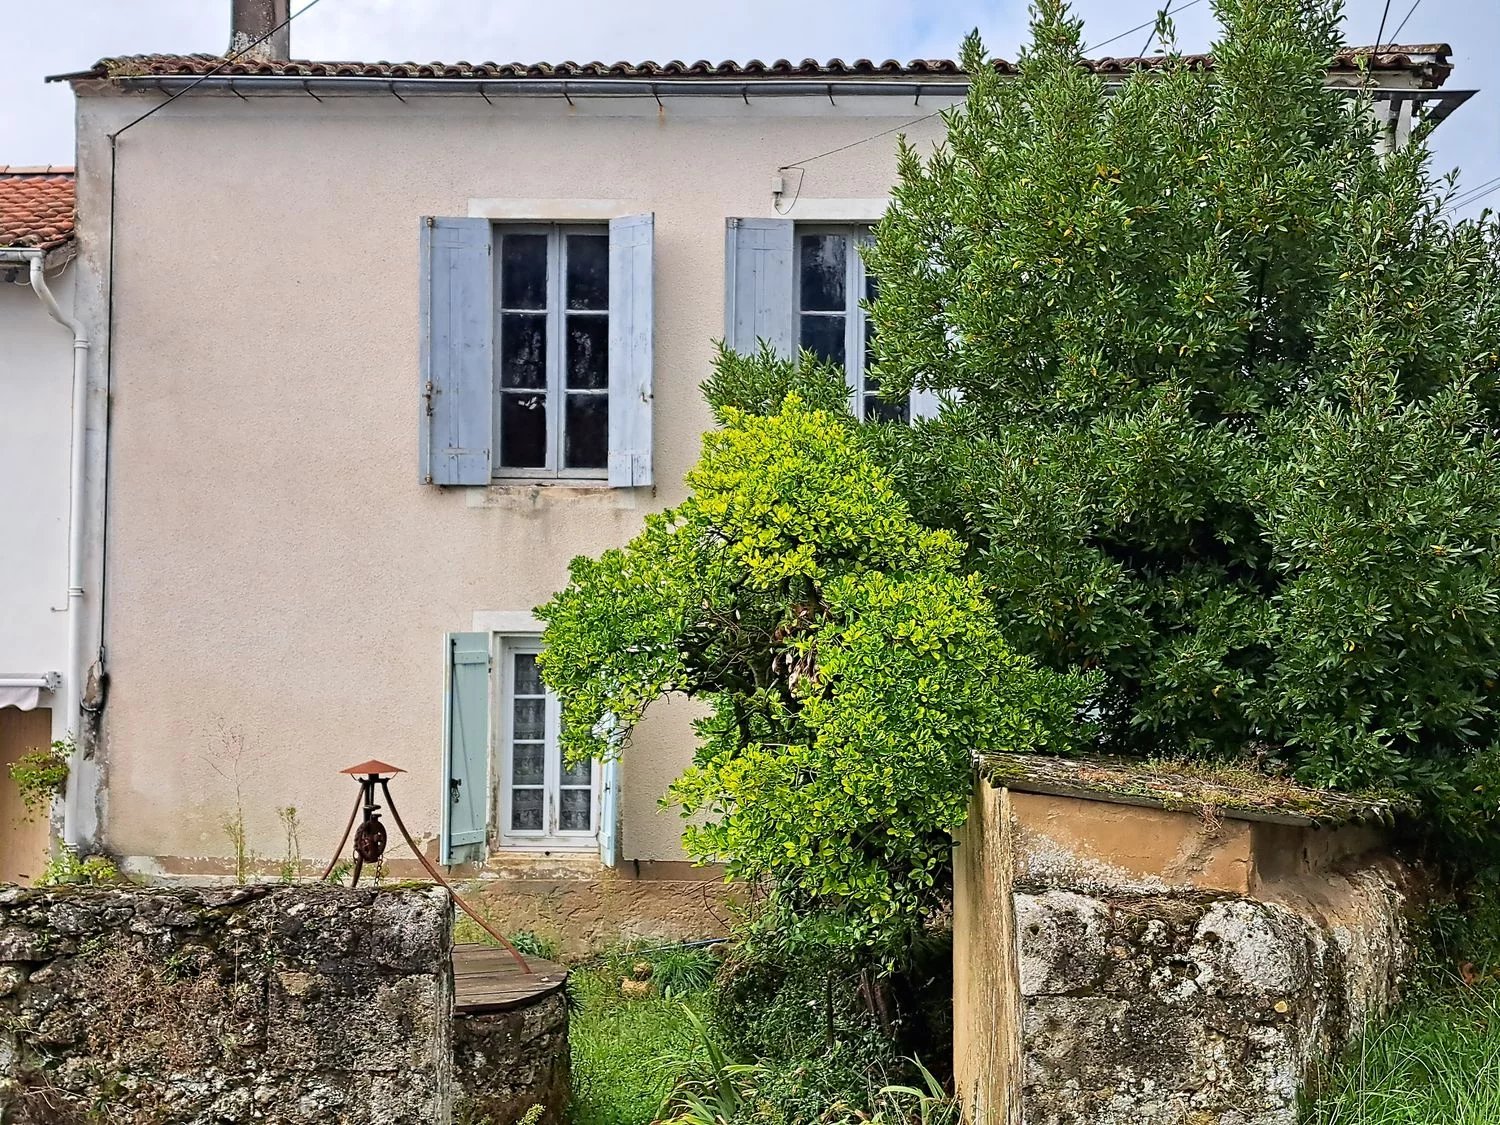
[23, 690]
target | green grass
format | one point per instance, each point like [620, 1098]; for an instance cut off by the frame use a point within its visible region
[628, 1052]
[1436, 1063]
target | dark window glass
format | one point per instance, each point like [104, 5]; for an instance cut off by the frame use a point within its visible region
[523, 351]
[878, 409]
[588, 352]
[523, 431]
[581, 774]
[523, 271]
[824, 337]
[526, 810]
[586, 443]
[530, 719]
[588, 271]
[824, 265]
[528, 675]
[573, 811]
[528, 762]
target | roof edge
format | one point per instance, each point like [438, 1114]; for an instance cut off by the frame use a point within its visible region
[1428, 62]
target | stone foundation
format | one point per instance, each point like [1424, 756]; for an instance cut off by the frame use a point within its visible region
[583, 908]
[1125, 965]
[271, 1004]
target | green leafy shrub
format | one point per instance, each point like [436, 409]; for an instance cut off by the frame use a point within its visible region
[1223, 390]
[850, 664]
[40, 776]
[760, 383]
[66, 868]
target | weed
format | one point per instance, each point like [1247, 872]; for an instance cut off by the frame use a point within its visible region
[291, 864]
[1436, 1061]
[40, 776]
[67, 868]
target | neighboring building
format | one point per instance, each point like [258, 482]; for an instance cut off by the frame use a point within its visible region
[36, 436]
[390, 345]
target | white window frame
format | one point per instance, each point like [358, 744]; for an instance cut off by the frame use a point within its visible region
[856, 316]
[550, 838]
[556, 391]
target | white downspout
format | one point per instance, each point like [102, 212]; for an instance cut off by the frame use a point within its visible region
[73, 676]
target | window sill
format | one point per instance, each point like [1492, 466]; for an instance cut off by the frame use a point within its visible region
[521, 494]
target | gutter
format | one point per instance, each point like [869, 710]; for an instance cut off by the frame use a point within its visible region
[73, 674]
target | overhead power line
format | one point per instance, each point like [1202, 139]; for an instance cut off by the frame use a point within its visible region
[1400, 27]
[309, 6]
[1137, 27]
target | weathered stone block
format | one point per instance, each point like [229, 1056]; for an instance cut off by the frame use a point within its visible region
[1174, 994]
[271, 1004]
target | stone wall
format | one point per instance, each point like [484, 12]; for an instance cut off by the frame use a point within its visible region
[273, 1004]
[1150, 967]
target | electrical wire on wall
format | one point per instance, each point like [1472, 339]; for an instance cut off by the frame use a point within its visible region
[800, 166]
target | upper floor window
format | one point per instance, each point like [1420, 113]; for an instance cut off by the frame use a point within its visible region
[804, 286]
[832, 322]
[552, 362]
[537, 351]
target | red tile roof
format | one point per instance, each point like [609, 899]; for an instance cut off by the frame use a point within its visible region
[36, 207]
[1427, 61]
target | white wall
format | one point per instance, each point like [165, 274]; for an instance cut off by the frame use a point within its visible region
[36, 372]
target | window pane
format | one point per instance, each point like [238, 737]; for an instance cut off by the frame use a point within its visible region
[530, 720]
[523, 431]
[523, 350]
[586, 439]
[574, 811]
[824, 264]
[523, 271]
[588, 352]
[526, 810]
[527, 763]
[824, 337]
[581, 774]
[528, 676]
[878, 409]
[588, 271]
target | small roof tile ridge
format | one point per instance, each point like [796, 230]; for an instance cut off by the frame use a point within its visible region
[1432, 59]
[1237, 793]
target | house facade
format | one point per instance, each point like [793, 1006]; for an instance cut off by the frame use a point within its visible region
[37, 386]
[387, 346]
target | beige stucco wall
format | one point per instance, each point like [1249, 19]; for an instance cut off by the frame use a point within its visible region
[275, 571]
[36, 390]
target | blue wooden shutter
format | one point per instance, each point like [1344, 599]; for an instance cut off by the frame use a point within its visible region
[924, 403]
[631, 349]
[609, 813]
[466, 738]
[759, 260]
[458, 326]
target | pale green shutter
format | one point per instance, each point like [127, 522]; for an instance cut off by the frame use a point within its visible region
[466, 738]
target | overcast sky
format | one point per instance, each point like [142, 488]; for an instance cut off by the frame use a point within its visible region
[36, 124]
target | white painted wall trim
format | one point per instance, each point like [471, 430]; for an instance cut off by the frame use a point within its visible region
[513, 621]
[550, 210]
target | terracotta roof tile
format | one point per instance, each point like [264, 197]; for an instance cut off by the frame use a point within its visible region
[36, 207]
[1429, 61]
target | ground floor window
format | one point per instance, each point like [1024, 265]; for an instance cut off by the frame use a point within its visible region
[542, 802]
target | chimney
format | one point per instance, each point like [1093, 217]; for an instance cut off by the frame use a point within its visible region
[258, 30]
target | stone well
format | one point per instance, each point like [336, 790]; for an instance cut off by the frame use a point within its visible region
[263, 1004]
[1137, 951]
